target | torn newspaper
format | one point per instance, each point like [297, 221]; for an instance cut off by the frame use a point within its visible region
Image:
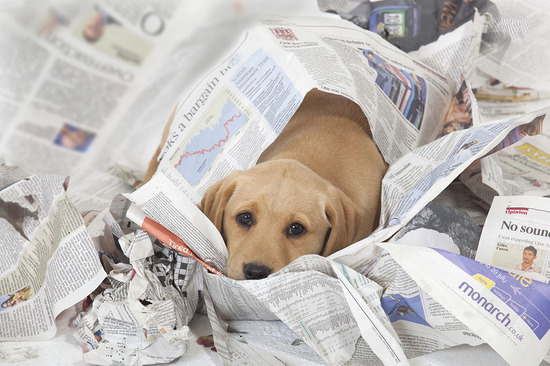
[49, 261]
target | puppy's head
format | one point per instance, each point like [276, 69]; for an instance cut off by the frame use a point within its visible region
[276, 212]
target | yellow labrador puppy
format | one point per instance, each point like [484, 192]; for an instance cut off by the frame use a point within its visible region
[314, 190]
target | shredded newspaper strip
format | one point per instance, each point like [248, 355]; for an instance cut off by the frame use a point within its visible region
[148, 261]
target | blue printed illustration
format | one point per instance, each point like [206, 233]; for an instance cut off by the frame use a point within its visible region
[198, 155]
[528, 298]
[406, 90]
[404, 308]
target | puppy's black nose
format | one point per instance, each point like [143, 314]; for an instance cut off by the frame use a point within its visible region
[255, 271]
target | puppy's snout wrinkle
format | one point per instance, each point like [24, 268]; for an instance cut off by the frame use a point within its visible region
[255, 271]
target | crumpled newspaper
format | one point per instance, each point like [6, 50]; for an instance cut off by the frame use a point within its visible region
[141, 317]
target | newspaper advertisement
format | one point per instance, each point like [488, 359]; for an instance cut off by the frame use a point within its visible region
[421, 322]
[506, 309]
[515, 236]
[50, 262]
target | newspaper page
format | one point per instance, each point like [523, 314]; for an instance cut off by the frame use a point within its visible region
[233, 351]
[507, 81]
[421, 186]
[349, 73]
[515, 236]
[404, 100]
[232, 115]
[193, 41]
[489, 31]
[81, 72]
[142, 315]
[164, 203]
[305, 295]
[450, 55]
[486, 178]
[506, 309]
[72, 65]
[49, 261]
[10, 174]
[337, 338]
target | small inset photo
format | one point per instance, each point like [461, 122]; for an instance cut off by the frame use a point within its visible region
[405, 89]
[525, 258]
[17, 297]
[74, 138]
[101, 29]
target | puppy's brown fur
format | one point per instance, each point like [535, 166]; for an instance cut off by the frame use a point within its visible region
[314, 190]
[323, 174]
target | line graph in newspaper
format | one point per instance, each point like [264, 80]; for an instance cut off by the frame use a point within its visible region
[225, 118]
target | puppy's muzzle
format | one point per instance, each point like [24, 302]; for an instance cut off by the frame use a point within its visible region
[255, 271]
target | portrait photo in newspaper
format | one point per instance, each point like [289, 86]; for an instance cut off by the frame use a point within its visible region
[517, 237]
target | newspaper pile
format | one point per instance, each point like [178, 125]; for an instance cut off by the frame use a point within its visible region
[374, 302]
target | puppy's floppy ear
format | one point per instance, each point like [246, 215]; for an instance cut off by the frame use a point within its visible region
[216, 197]
[344, 221]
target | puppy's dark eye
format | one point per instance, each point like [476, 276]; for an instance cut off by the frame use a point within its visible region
[296, 229]
[245, 219]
